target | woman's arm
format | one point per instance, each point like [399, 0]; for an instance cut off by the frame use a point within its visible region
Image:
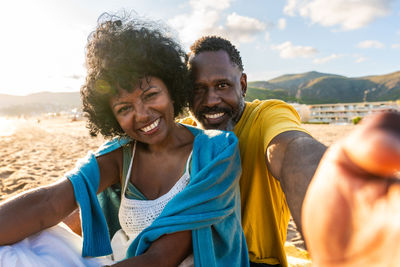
[110, 166]
[168, 250]
[35, 210]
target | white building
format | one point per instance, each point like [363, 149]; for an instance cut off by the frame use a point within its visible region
[345, 112]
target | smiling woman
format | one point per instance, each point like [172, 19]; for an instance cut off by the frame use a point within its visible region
[168, 193]
[152, 54]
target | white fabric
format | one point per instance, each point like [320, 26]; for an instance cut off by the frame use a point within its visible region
[135, 215]
[56, 246]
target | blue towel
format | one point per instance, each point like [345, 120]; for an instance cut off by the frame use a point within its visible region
[209, 205]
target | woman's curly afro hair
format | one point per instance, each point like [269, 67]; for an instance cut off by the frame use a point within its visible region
[121, 53]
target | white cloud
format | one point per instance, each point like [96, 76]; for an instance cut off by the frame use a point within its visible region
[242, 29]
[288, 50]
[267, 36]
[192, 26]
[370, 44]
[395, 46]
[348, 14]
[281, 24]
[207, 18]
[326, 59]
[361, 59]
[203, 5]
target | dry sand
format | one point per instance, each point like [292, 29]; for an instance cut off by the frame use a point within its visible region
[35, 153]
[38, 153]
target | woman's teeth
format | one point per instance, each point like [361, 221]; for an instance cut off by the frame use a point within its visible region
[151, 126]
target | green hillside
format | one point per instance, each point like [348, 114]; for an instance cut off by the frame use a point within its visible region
[317, 88]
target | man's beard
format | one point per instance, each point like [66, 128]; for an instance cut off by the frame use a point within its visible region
[233, 115]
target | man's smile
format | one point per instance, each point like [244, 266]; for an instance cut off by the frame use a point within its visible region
[214, 115]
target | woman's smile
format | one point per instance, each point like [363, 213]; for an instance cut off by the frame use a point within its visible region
[152, 128]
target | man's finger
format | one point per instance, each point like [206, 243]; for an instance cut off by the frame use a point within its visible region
[375, 145]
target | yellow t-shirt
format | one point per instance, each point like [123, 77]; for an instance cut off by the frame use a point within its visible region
[265, 214]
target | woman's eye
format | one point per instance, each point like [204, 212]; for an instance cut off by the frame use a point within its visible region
[150, 95]
[123, 109]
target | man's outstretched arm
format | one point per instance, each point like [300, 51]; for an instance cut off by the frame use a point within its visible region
[292, 157]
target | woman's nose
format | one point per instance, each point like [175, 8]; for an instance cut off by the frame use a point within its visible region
[141, 113]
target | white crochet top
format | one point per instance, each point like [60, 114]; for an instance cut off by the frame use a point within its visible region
[135, 215]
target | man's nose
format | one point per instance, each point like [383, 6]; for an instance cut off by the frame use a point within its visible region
[212, 98]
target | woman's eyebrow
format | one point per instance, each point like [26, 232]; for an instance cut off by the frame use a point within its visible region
[119, 103]
[149, 87]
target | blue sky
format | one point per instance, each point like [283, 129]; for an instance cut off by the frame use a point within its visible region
[42, 42]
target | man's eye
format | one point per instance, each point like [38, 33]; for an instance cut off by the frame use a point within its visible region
[222, 85]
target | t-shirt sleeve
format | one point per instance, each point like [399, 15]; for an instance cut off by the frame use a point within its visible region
[188, 121]
[277, 118]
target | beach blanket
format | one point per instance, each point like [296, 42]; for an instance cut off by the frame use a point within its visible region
[55, 246]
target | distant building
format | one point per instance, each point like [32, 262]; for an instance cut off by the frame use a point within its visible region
[343, 113]
[302, 110]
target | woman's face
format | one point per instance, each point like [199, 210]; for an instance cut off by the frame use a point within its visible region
[147, 113]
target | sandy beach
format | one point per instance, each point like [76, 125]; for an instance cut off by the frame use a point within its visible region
[36, 152]
[39, 151]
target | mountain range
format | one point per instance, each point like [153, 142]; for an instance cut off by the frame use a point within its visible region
[319, 88]
[307, 88]
[38, 103]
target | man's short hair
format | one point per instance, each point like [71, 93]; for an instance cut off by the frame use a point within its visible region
[213, 44]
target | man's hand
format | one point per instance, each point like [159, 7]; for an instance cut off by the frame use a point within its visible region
[351, 213]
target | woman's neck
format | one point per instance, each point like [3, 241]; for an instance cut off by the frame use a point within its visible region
[179, 136]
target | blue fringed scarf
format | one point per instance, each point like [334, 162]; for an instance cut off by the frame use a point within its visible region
[209, 206]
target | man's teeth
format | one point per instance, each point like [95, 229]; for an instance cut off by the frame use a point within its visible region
[214, 116]
[151, 126]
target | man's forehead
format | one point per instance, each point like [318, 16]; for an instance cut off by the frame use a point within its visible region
[219, 57]
[215, 64]
[215, 74]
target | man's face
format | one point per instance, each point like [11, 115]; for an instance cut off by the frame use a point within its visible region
[220, 86]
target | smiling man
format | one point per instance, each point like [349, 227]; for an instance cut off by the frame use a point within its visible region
[278, 156]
